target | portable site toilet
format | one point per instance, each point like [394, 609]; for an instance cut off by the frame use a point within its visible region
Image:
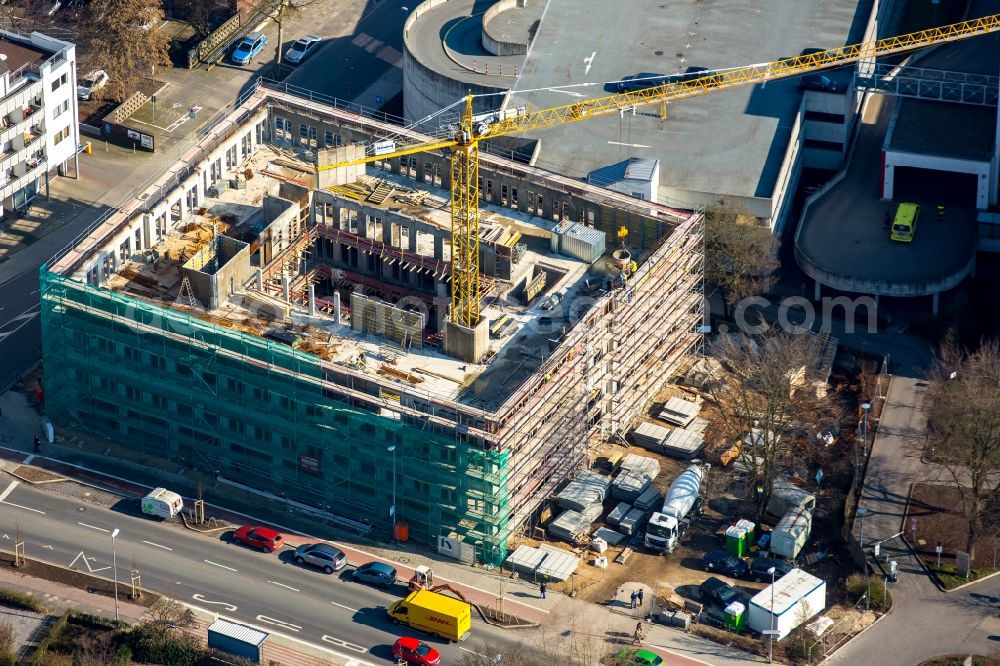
[750, 528]
[736, 541]
[791, 533]
[735, 617]
[792, 600]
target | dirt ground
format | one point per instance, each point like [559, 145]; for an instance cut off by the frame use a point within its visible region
[933, 506]
[677, 576]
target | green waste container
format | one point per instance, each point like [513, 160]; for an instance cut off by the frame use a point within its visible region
[735, 616]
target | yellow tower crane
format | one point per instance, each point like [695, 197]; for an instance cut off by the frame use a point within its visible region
[464, 144]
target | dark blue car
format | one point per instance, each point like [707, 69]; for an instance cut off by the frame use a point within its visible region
[248, 48]
[721, 561]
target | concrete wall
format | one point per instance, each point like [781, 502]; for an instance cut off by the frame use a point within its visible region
[426, 91]
[493, 41]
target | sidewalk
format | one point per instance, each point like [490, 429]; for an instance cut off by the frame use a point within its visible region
[558, 613]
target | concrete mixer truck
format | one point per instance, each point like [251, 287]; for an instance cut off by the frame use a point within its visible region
[665, 527]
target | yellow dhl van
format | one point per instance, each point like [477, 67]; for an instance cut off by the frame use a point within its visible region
[905, 224]
[434, 613]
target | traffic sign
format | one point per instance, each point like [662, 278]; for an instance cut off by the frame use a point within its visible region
[771, 632]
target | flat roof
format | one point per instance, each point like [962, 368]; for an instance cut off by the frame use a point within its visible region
[20, 54]
[522, 345]
[701, 137]
[916, 128]
[788, 590]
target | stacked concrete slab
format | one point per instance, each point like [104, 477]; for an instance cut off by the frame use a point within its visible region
[679, 412]
[682, 443]
[544, 562]
[650, 436]
[636, 475]
[571, 525]
[587, 490]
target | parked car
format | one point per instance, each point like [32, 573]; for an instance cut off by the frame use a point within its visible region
[321, 555]
[248, 48]
[640, 81]
[820, 82]
[760, 564]
[298, 51]
[550, 302]
[261, 538]
[629, 657]
[414, 651]
[379, 574]
[714, 590]
[721, 561]
[91, 83]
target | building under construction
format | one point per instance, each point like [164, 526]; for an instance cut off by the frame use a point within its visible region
[239, 319]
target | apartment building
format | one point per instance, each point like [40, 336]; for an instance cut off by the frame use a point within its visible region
[39, 132]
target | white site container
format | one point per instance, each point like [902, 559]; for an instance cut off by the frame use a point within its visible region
[791, 533]
[798, 597]
[162, 503]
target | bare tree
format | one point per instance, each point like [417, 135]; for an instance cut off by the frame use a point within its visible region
[740, 253]
[771, 397]
[125, 41]
[96, 649]
[199, 13]
[167, 615]
[965, 418]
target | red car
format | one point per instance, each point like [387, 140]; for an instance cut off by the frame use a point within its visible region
[413, 651]
[261, 538]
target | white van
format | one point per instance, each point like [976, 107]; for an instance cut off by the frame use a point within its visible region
[162, 503]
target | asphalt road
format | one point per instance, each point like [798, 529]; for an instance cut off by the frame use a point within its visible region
[20, 344]
[346, 65]
[269, 591]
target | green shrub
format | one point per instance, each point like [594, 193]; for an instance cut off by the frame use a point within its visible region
[949, 577]
[20, 600]
[881, 599]
[123, 657]
[41, 654]
[8, 659]
[151, 645]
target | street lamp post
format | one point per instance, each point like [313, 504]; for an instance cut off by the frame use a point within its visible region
[864, 439]
[862, 512]
[770, 636]
[392, 509]
[114, 565]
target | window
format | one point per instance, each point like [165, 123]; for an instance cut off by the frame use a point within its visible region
[59, 82]
[60, 109]
[328, 138]
[62, 134]
[279, 127]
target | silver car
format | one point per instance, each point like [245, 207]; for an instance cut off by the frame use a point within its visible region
[322, 556]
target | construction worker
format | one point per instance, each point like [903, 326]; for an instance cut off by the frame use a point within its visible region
[38, 444]
[940, 211]
[887, 220]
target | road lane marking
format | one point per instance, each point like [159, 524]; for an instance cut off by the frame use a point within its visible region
[589, 61]
[216, 564]
[8, 490]
[630, 145]
[225, 604]
[289, 587]
[86, 563]
[93, 527]
[344, 644]
[47, 546]
[156, 544]
[353, 610]
[27, 461]
[473, 652]
[280, 623]
[26, 508]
